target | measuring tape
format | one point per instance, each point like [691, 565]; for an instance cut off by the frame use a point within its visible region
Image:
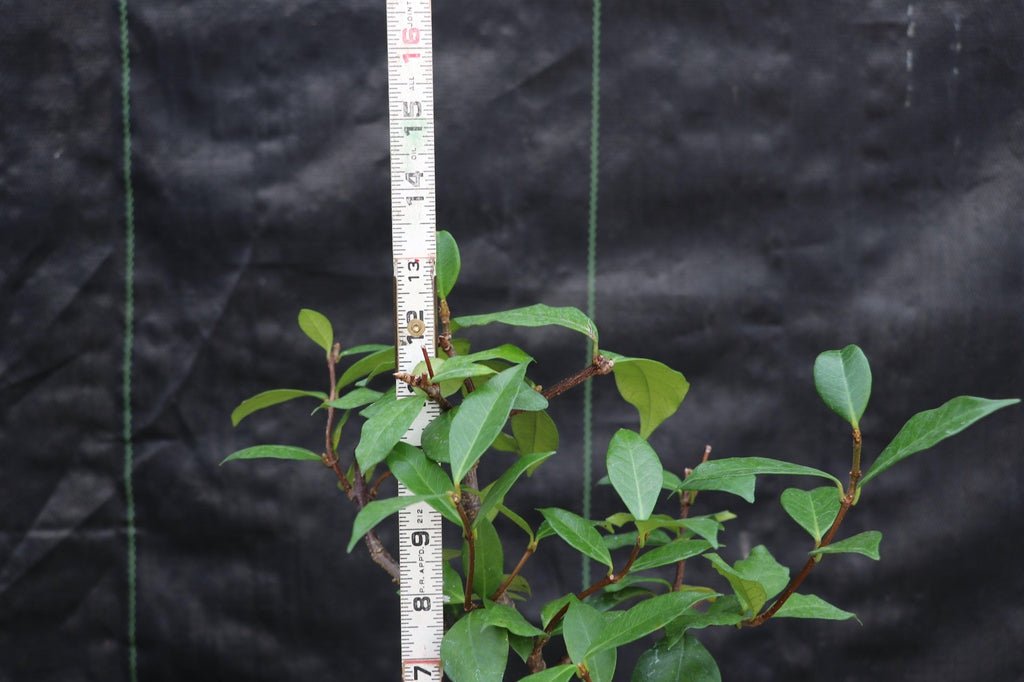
[414, 240]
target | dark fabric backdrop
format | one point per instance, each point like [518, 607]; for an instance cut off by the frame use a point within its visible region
[776, 178]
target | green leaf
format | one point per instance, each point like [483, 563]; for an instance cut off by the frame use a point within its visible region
[706, 527]
[274, 452]
[653, 388]
[353, 399]
[371, 365]
[385, 428]
[423, 477]
[434, 440]
[740, 485]
[635, 472]
[538, 315]
[686, 660]
[480, 419]
[843, 380]
[317, 327]
[489, 567]
[363, 349]
[496, 491]
[529, 399]
[576, 531]
[751, 593]
[723, 611]
[448, 263]
[501, 616]
[378, 510]
[814, 510]
[761, 566]
[560, 673]
[268, 398]
[673, 552]
[473, 651]
[534, 432]
[523, 646]
[865, 543]
[457, 369]
[516, 519]
[463, 366]
[656, 538]
[928, 428]
[810, 606]
[582, 626]
[646, 617]
[722, 474]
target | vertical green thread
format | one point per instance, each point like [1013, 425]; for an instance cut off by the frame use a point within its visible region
[588, 394]
[129, 334]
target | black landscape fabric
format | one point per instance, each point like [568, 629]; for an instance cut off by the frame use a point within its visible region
[775, 179]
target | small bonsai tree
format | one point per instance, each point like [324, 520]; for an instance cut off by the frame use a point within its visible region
[489, 407]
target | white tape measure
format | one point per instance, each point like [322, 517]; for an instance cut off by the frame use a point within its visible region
[413, 238]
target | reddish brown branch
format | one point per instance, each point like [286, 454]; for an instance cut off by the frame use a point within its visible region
[536, 660]
[844, 507]
[686, 499]
[599, 367]
[515, 571]
[423, 382]
[467, 534]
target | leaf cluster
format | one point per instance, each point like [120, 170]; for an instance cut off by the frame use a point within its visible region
[491, 408]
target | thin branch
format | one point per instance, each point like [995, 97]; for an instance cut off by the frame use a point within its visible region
[530, 549]
[467, 534]
[536, 661]
[424, 383]
[686, 499]
[444, 340]
[844, 507]
[599, 367]
[376, 484]
[358, 494]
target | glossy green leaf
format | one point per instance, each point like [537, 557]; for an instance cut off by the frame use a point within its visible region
[646, 617]
[336, 435]
[423, 477]
[723, 611]
[516, 519]
[523, 646]
[506, 351]
[385, 428]
[560, 673]
[576, 531]
[706, 527]
[451, 585]
[673, 552]
[529, 399]
[473, 651]
[480, 419]
[363, 349]
[928, 428]
[582, 626]
[434, 440]
[538, 315]
[843, 380]
[534, 432]
[656, 538]
[865, 543]
[740, 485]
[814, 510]
[488, 570]
[370, 365]
[268, 398]
[378, 510]
[721, 474]
[761, 566]
[449, 262]
[274, 452]
[811, 606]
[653, 388]
[496, 491]
[456, 369]
[686, 660]
[317, 327]
[381, 403]
[669, 481]
[751, 593]
[359, 397]
[501, 616]
[635, 472]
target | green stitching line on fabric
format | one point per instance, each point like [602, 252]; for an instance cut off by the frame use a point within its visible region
[588, 393]
[129, 338]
